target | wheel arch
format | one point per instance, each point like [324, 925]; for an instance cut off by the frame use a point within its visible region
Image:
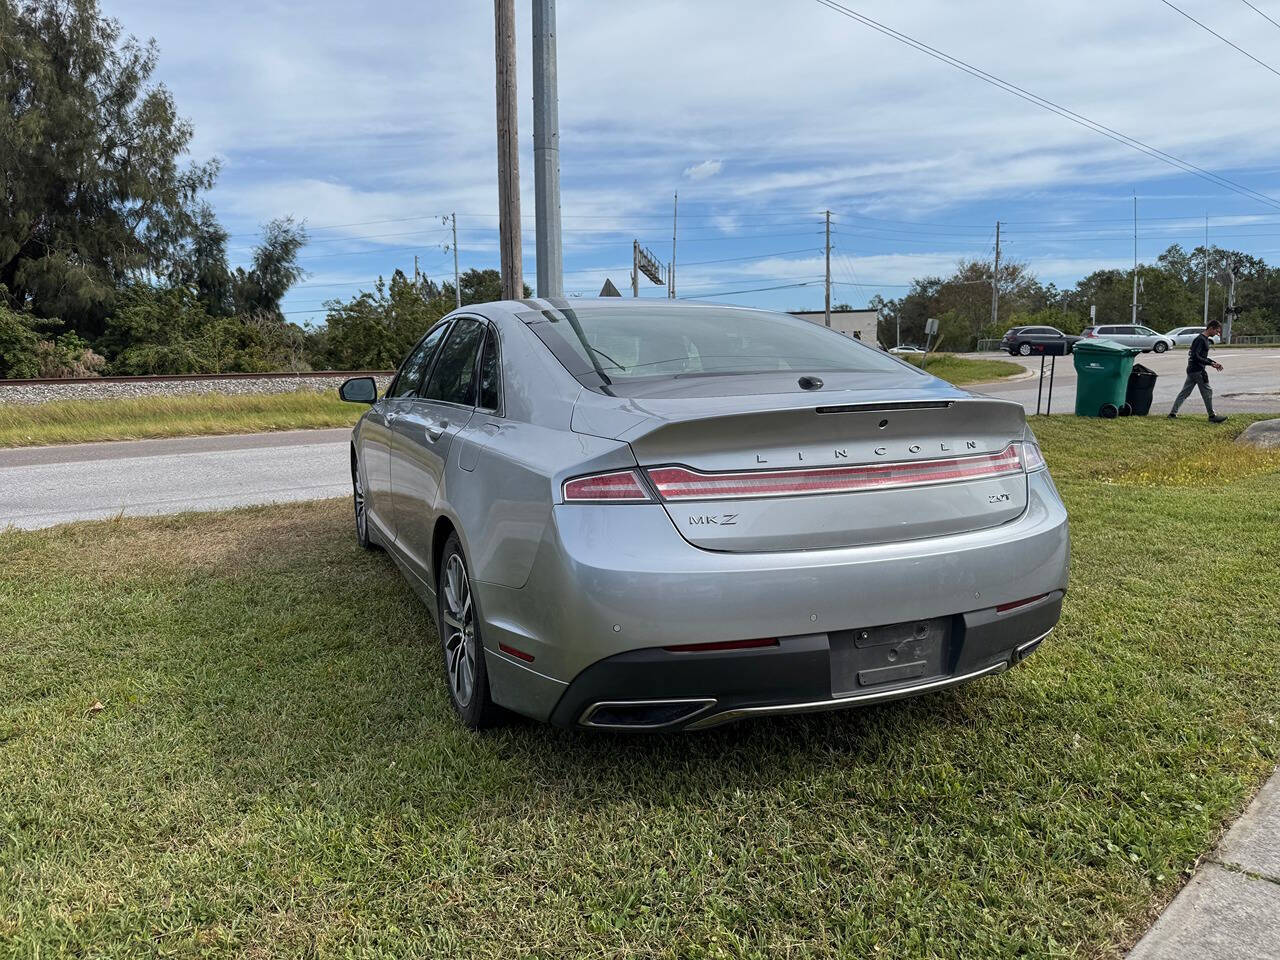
[439, 537]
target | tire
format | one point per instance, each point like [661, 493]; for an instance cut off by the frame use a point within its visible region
[1109, 411]
[1126, 410]
[465, 675]
[1160, 346]
[360, 507]
[1025, 349]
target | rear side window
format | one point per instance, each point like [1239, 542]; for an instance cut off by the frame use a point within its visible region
[416, 365]
[453, 380]
[490, 374]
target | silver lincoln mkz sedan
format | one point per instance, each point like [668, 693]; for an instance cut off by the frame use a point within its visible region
[642, 515]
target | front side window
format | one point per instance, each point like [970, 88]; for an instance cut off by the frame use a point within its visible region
[416, 365]
[618, 344]
[453, 380]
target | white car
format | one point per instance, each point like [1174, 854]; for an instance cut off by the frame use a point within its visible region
[1130, 335]
[1183, 336]
[905, 348]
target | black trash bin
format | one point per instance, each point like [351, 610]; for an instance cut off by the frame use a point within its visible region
[1142, 384]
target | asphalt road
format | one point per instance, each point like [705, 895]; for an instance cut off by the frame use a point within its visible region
[43, 486]
[1249, 382]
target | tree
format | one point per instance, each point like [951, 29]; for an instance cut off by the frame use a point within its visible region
[274, 270]
[375, 330]
[90, 152]
[479, 286]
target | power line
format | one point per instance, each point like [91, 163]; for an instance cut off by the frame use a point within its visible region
[1259, 12]
[734, 293]
[758, 256]
[1210, 29]
[1046, 104]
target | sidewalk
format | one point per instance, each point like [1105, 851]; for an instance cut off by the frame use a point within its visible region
[1231, 908]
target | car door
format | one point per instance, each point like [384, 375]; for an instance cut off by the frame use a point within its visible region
[1148, 338]
[422, 436]
[376, 433]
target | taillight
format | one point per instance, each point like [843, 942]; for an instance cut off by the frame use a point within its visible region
[681, 483]
[1032, 457]
[618, 486]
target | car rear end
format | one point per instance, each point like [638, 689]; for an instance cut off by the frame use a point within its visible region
[1009, 342]
[769, 548]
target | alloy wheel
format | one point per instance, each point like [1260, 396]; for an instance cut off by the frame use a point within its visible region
[460, 631]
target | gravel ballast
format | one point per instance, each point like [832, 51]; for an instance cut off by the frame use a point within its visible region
[113, 389]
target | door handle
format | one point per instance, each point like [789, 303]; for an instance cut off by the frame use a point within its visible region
[436, 430]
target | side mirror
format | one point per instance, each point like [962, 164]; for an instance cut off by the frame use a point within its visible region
[359, 390]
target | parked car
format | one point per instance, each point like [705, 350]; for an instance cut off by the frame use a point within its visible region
[904, 348]
[1131, 336]
[1024, 341]
[1182, 336]
[640, 515]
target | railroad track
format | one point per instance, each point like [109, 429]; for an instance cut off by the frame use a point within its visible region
[199, 377]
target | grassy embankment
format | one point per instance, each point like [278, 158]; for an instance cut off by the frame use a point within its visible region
[963, 370]
[85, 421]
[137, 418]
[226, 734]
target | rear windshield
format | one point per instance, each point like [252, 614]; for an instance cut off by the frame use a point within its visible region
[615, 343]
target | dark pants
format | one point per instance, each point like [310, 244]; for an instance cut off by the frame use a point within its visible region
[1195, 379]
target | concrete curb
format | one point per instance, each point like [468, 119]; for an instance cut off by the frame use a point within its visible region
[1230, 910]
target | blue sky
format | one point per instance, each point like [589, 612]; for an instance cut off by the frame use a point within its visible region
[372, 121]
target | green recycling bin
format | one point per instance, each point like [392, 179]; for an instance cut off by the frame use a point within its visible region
[1102, 377]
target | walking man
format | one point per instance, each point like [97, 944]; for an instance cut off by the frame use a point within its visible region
[1197, 374]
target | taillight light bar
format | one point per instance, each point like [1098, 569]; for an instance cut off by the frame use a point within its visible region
[617, 486]
[682, 483]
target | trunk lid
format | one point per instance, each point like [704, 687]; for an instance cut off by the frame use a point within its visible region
[806, 470]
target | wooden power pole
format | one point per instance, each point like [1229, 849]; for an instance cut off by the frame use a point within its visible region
[504, 23]
[827, 310]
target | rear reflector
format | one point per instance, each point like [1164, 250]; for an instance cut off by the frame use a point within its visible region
[722, 645]
[681, 483]
[1019, 603]
[518, 654]
[619, 485]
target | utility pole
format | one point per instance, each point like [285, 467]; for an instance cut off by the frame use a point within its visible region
[635, 268]
[1135, 260]
[546, 151]
[457, 288]
[1206, 270]
[415, 270]
[671, 271]
[504, 32]
[1231, 303]
[827, 310]
[995, 282]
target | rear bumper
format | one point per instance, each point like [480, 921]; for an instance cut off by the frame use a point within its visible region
[656, 689]
[613, 584]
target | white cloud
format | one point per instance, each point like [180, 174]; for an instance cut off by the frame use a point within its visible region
[703, 170]
[342, 118]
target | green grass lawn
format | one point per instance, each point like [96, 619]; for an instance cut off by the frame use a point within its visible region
[962, 370]
[227, 734]
[82, 421]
